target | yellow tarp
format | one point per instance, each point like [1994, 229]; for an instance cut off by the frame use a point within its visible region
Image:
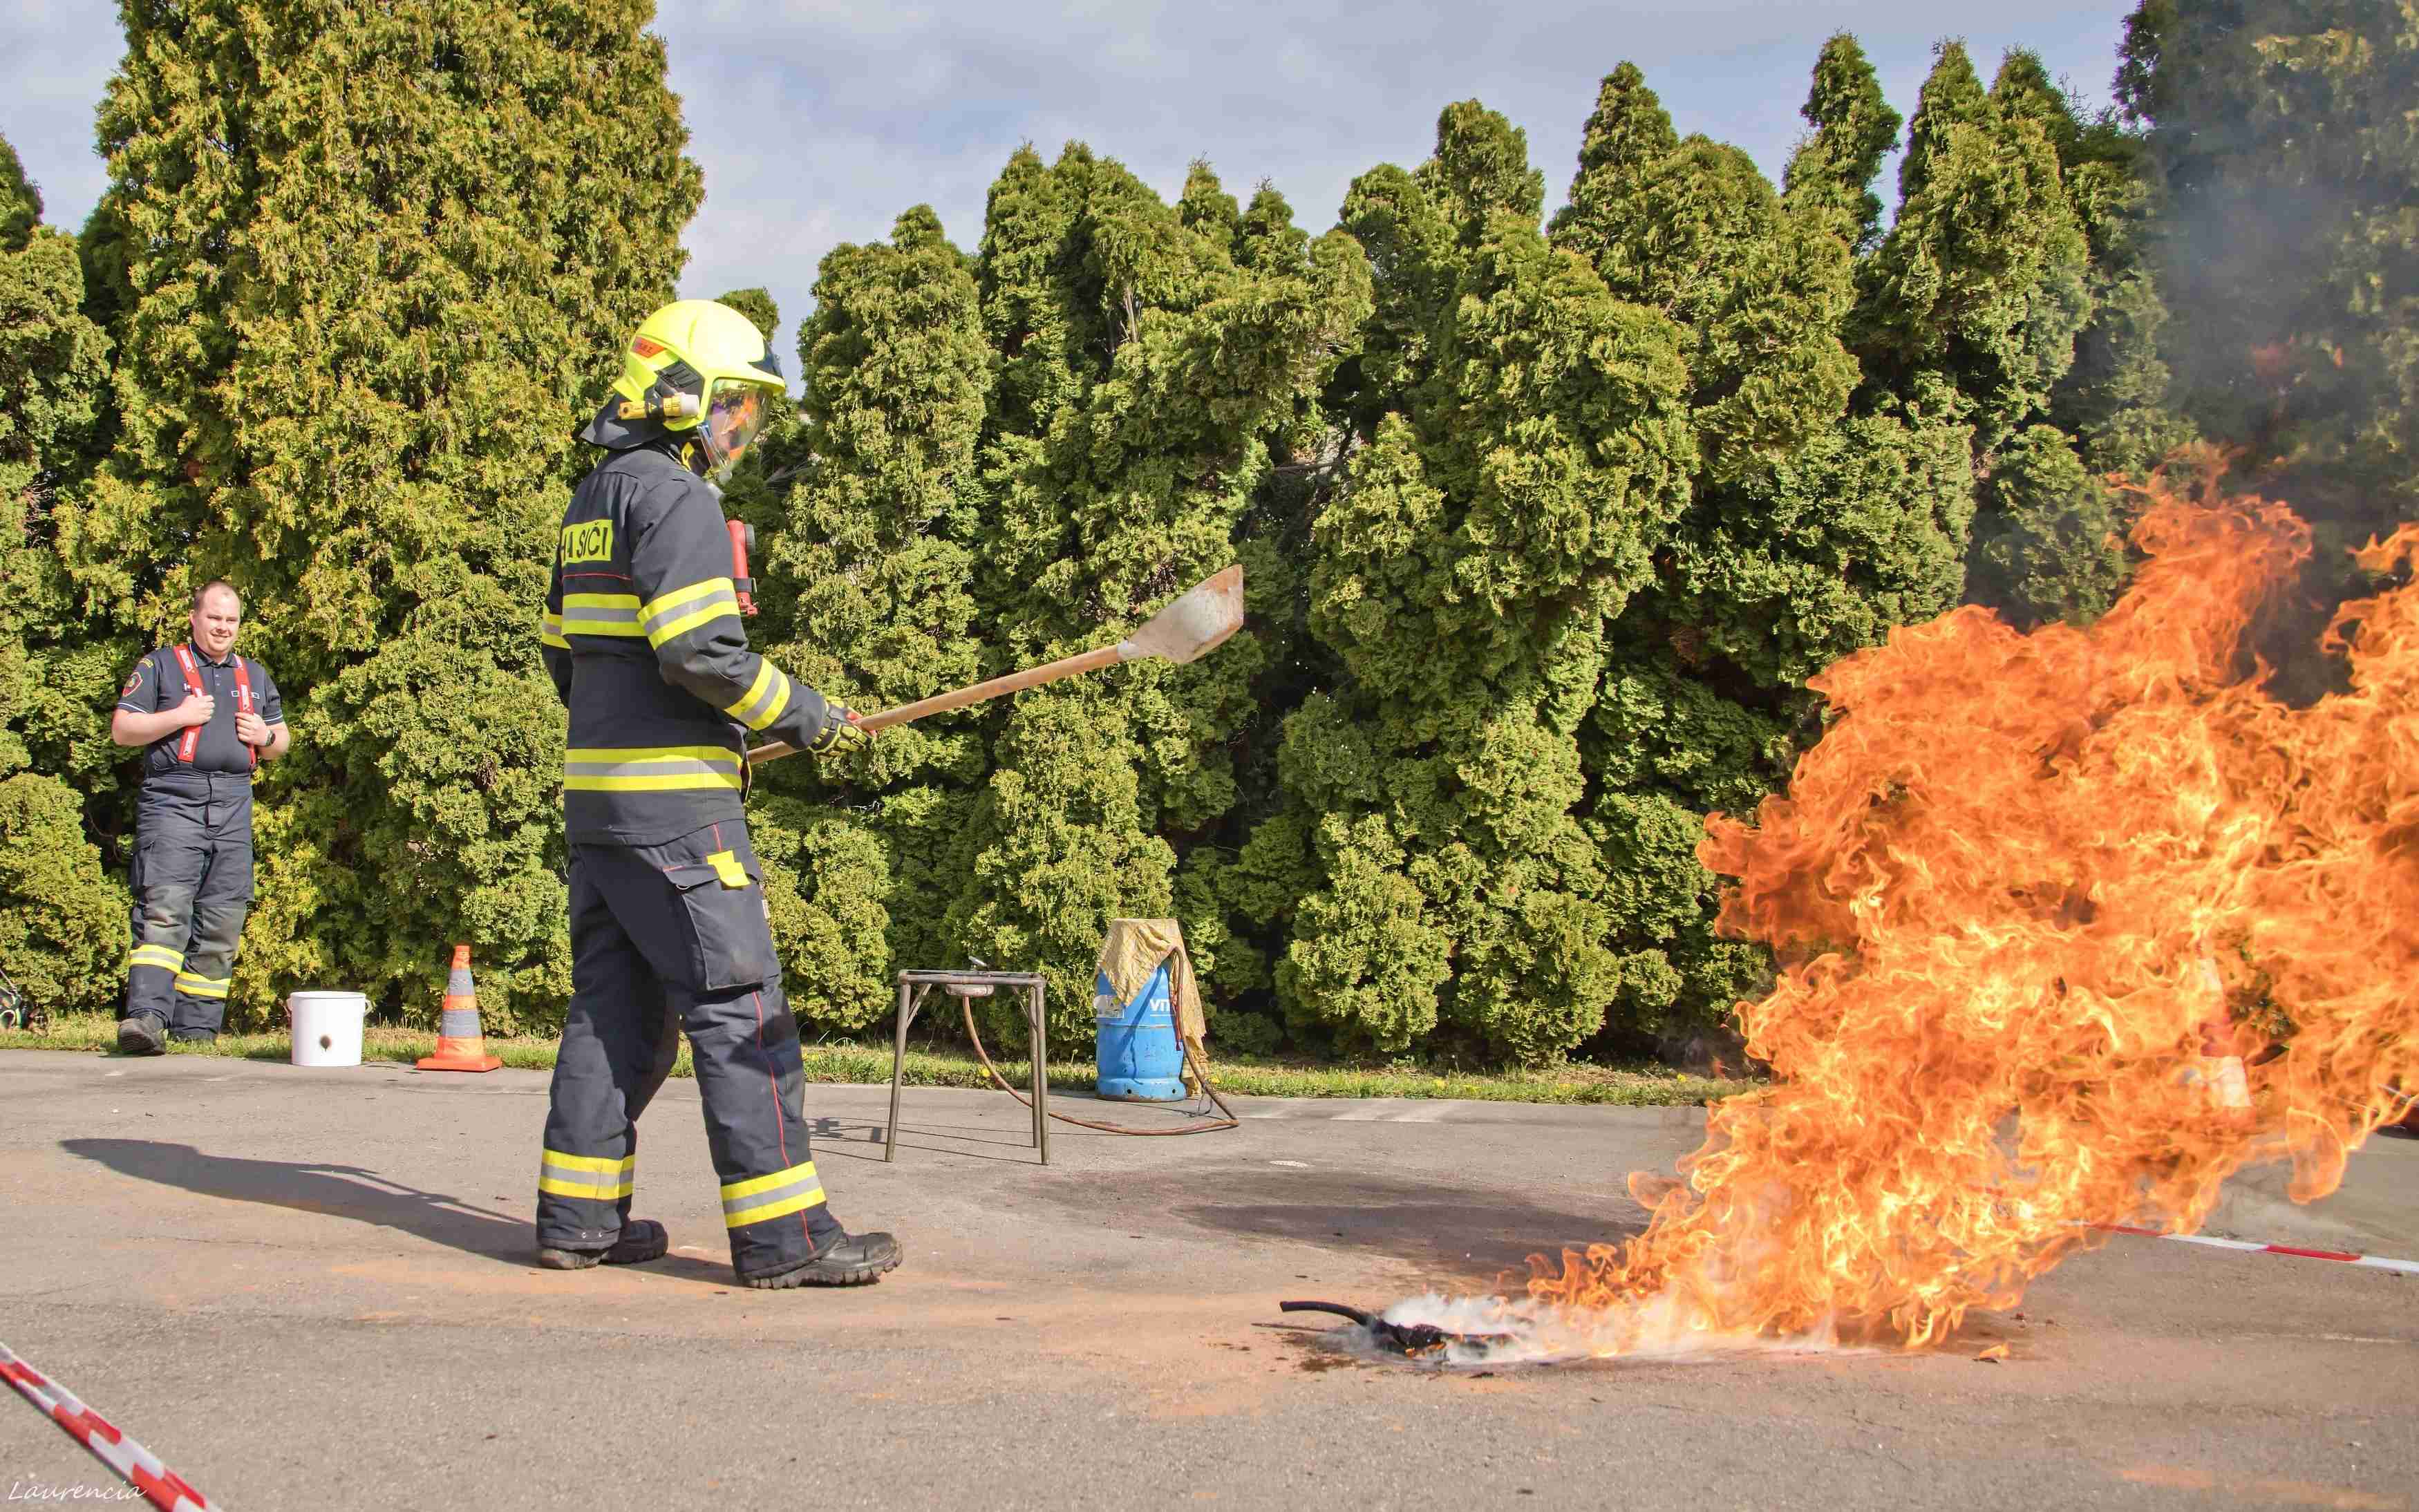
[1135, 949]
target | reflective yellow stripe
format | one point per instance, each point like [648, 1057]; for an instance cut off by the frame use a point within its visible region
[687, 622]
[777, 1196]
[722, 754]
[650, 768]
[667, 782]
[194, 986]
[766, 673]
[683, 609]
[767, 1184]
[686, 595]
[601, 614]
[726, 866]
[550, 632]
[774, 709]
[156, 955]
[599, 1176]
[590, 1163]
[777, 1208]
[764, 699]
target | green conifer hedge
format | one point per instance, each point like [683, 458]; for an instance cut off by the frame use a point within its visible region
[1547, 525]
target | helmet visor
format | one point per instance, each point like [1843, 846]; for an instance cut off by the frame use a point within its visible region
[734, 416]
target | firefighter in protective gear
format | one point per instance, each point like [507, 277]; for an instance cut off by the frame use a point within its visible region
[670, 931]
[207, 717]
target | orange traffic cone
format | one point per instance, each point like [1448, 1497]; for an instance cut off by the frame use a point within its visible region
[461, 1045]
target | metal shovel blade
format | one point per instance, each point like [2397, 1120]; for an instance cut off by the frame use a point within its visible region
[1196, 623]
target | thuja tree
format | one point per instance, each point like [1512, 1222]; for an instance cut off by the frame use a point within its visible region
[867, 566]
[1970, 313]
[1854, 130]
[2116, 402]
[1146, 353]
[1529, 449]
[1809, 531]
[1308, 455]
[2285, 168]
[370, 268]
[53, 396]
[62, 922]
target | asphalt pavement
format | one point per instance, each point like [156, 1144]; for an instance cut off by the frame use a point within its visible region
[313, 1288]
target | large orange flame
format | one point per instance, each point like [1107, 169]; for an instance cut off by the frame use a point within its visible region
[2049, 906]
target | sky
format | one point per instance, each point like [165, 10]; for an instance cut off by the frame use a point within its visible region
[817, 121]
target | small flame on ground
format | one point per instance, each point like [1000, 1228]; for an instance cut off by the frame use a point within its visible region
[2071, 925]
[1525, 1331]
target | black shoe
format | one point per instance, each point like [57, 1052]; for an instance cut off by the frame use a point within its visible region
[855, 1260]
[141, 1035]
[642, 1239]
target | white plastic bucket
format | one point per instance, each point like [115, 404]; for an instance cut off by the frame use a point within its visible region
[327, 1028]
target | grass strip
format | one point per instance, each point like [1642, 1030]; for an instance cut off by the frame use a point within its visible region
[843, 1061]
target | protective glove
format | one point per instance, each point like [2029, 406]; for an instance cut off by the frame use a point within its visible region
[839, 724]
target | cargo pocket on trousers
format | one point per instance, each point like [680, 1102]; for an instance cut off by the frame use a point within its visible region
[722, 912]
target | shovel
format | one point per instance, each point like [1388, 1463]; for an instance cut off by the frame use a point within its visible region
[1195, 625]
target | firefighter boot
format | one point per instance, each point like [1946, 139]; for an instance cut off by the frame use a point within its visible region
[142, 1035]
[852, 1261]
[642, 1239]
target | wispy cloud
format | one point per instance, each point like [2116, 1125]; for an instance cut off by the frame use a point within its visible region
[817, 122]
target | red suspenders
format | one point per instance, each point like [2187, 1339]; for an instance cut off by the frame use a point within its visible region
[192, 738]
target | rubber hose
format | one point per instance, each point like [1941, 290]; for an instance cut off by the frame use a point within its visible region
[1205, 1126]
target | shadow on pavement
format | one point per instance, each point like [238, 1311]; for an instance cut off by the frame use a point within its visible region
[344, 1192]
[834, 1137]
[1480, 1235]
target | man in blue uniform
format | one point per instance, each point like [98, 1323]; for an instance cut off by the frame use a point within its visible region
[208, 717]
[669, 934]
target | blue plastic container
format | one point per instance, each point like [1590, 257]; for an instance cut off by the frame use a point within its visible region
[1139, 1057]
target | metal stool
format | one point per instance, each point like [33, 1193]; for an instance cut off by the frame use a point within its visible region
[914, 985]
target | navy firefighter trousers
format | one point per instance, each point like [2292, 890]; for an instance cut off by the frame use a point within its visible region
[665, 940]
[191, 879]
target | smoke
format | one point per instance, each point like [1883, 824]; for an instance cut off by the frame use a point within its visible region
[2278, 172]
[1528, 1332]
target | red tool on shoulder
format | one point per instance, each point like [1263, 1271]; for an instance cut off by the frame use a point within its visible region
[743, 540]
[191, 740]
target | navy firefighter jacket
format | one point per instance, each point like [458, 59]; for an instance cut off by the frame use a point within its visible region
[643, 638]
[158, 682]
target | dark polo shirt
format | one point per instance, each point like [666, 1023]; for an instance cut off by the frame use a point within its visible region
[158, 683]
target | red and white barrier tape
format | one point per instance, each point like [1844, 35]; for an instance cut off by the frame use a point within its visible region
[2373, 1262]
[140, 1468]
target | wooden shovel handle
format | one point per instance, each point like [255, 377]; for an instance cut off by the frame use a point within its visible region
[1089, 661]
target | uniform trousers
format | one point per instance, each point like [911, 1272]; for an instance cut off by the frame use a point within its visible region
[191, 881]
[666, 940]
